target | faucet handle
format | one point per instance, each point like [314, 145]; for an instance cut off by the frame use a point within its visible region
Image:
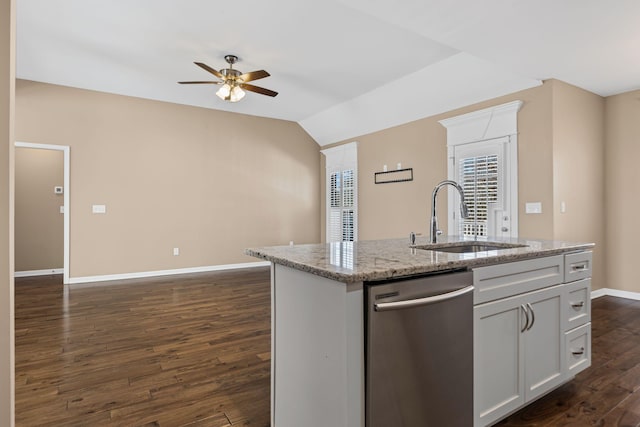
[438, 232]
[412, 238]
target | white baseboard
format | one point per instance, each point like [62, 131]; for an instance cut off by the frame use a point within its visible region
[143, 274]
[615, 293]
[31, 273]
[110, 277]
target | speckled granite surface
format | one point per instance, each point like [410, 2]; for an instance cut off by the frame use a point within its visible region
[368, 260]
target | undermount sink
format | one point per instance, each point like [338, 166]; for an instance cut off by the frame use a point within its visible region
[467, 247]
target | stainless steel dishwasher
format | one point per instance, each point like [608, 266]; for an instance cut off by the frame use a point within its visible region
[419, 358]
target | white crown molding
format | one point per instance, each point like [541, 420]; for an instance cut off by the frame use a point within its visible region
[489, 123]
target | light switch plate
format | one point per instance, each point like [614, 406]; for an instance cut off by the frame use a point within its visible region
[99, 209]
[533, 207]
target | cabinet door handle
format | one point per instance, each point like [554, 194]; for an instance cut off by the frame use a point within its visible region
[526, 314]
[578, 352]
[533, 316]
[577, 304]
[580, 267]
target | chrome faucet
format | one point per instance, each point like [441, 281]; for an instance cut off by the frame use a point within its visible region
[464, 212]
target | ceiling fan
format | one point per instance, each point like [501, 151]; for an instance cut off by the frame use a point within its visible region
[233, 81]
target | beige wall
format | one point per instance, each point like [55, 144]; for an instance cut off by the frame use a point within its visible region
[623, 181]
[208, 182]
[39, 225]
[394, 210]
[7, 78]
[578, 170]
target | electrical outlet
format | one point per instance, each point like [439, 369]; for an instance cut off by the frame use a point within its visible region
[176, 251]
[533, 207]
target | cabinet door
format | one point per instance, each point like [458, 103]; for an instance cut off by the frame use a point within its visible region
[498, 359]
[544, 342]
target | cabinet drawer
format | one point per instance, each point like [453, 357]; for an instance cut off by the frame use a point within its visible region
[577, 266]
[577, 309]
[578, 345]
[504, 280]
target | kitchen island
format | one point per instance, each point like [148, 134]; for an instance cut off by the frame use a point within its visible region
[318, 321]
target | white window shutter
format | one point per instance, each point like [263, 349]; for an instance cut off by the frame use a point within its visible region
[479, 178]
[342, 193]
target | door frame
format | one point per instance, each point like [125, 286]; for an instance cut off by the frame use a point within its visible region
[507, 149]
[484, 125]
[66, 196]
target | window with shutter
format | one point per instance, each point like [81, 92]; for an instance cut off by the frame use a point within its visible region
[479, 178]
[484, 171]
[341, 165]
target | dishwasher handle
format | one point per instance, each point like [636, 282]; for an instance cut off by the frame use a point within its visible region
[396, 305]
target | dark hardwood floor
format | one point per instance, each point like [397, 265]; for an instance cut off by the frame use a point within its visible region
[195, 350]
[184, 350]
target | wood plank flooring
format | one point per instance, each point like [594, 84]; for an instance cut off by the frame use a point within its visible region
[194, 350]
[191, 350]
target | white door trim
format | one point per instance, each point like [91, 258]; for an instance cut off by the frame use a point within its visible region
[485, 125]
[66, 196]
[489, 123]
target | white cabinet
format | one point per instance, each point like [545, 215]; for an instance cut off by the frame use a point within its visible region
[577, 308]
[578, 354]
[317, 351]
[504, 280]
[532, 332]
[577, 312]
[498, 359]
[544, 342]
[519, 351]
[577, 266]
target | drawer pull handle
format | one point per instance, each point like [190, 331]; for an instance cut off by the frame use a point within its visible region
[581, 267]
[578, 352]
[577, 304]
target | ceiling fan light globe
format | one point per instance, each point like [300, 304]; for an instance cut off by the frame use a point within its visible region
[224, 91]
[236, 94]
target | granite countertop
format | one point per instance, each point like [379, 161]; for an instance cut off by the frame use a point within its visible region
[369, 260]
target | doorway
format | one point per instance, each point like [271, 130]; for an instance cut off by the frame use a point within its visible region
[60, 191]
[482, 149]
[485, 170]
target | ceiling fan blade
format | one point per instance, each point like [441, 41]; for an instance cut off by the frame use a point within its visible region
[200, 83]
[258, 89]
[254, 75]
[209, 69]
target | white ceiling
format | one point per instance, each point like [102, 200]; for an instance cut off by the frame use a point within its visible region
[342, 68]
